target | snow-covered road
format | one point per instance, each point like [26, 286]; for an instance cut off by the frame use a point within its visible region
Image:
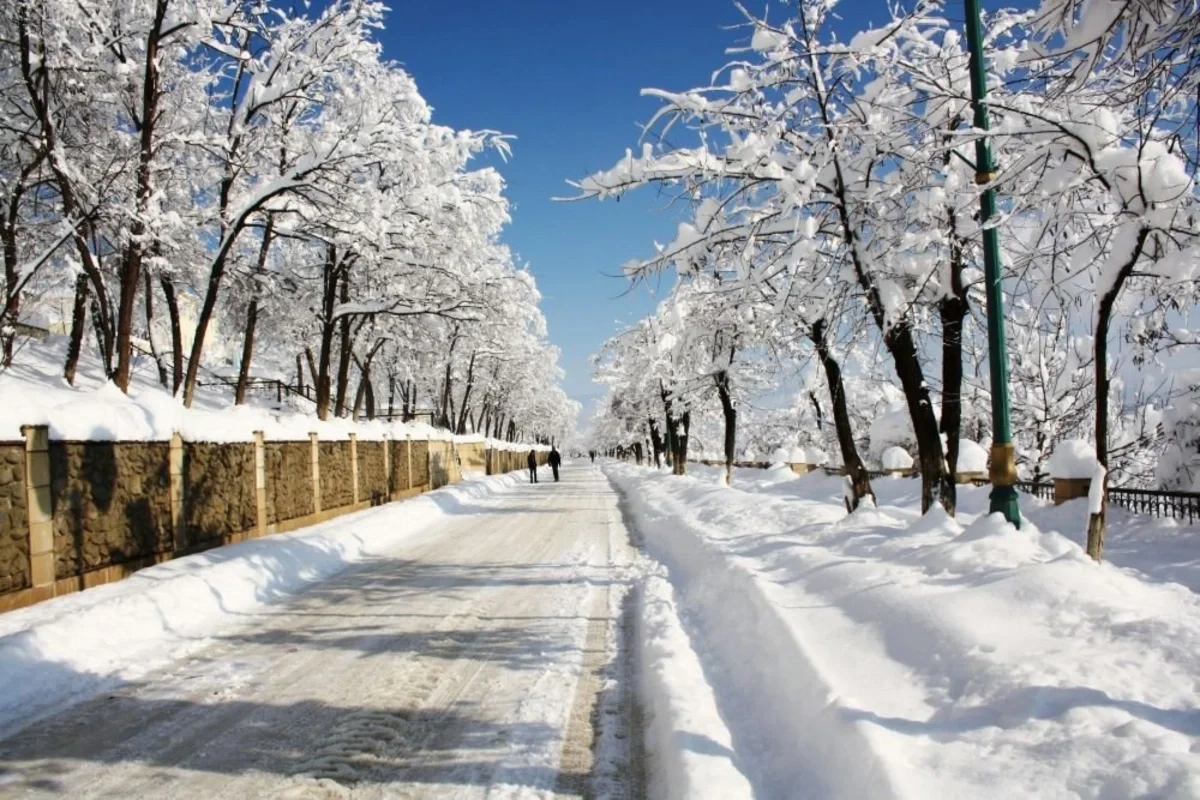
[468, 662]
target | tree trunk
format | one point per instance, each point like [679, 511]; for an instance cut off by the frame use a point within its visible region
[136, 249]
[162, 369]
[260, 269]
[672, 429]
[656, 442]
[168, 288]
[328, 305]
[78, 323]
[1096, 522]
[370, 394]
[345, 350]
[952, 310]
[681, 443]
[730, 414]
[856, 472]
[461, 427]
[937, 486]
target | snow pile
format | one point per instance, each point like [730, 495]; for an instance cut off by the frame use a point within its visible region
[781, 456]
[76, 645]
[1073, 459]
[971, 456]
[798, 455]
[896, 458]
[889, 654]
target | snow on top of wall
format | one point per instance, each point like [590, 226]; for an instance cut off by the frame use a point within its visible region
[971, 456]
[33, 392]
[896, 458]
[815, 456]
[781, 456]
[1073, 459]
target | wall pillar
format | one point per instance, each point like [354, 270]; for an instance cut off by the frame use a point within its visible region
[354, 466]
[1070, 489]
[175, 471]
[260, 482]
[408, 452]
[387, 468]
[316, 473]
[40, 512]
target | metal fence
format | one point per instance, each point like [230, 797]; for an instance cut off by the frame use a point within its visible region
[1183, 506]
[1176, 505]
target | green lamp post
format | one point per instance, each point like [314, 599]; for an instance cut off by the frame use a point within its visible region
[1003, 470]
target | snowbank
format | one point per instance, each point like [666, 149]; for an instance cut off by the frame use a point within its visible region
[688, 748]
[1073, 459]
[77, 645]
[889, 654]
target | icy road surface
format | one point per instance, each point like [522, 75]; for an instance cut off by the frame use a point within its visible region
[481, 658]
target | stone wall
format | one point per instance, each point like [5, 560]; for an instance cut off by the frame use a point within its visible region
[472, 457]
[420, 464]
[107, 509]
[288, 467]
[14, 521]
[111, 504]
[337, 475]
[372, 472]
[220, 497]
[400, 476]
[443, 470]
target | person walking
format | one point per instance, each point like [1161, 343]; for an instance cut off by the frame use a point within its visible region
[592, 453]
[555, 459]
[532, 462]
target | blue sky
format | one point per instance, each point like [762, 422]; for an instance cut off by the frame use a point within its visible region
[564, 78]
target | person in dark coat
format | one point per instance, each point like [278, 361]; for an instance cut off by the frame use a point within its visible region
[592, 453]
[555, 460]
[532, 462]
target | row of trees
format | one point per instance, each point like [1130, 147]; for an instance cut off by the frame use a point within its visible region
[184, 168]
[832, 221]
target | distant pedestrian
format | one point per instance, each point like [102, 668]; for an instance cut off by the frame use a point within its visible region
[592, 453]
[532, 462]
[555, 459]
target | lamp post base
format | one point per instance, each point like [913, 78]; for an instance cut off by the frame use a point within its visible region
[1004, 501]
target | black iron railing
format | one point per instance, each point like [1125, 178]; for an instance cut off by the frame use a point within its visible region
[1175, 505]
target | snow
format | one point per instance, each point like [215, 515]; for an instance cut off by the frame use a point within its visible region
[688, 747]
[889, 654]
[1096, 490]
[815, 456]
[971, 456]
[780, 456]
[1073, 459]
[73, 646]
[896, 458]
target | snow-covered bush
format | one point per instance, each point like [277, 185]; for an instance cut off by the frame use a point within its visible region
[1179, 467]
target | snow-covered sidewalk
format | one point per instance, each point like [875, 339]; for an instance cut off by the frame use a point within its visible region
[453, 645]
[885, 654]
